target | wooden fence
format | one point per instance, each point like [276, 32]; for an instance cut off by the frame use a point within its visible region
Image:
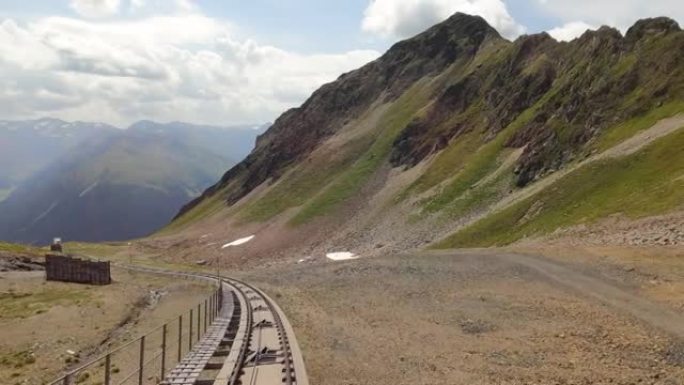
[69, 269]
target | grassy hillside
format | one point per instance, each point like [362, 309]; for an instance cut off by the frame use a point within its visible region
[649, 182]
[12, 248]
[304, 182]
[351, 179]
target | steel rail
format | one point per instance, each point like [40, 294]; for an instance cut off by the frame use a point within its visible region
[240, 288]
[235, 376]
[290, 374]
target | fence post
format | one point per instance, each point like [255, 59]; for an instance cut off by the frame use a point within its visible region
[218, 302]
[190, 334]
[205, 316]
[142, 361]
[108, 369]
[199, 323]
[163, 357]
[180, 336]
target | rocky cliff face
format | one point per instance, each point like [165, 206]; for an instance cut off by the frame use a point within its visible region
[465, 119]
[580, 88]
[299, 131]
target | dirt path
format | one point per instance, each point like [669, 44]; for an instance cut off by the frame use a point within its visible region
[629, 146]
[600, 289]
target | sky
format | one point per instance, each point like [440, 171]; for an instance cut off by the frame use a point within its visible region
[226, 62]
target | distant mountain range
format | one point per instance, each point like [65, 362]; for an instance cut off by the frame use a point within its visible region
[28, 146]
[94, 182]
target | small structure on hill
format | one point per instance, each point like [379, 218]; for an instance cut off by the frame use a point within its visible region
[56, 245]
[71, 269]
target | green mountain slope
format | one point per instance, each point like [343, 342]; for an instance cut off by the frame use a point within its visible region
[458, 130]
[648, 182]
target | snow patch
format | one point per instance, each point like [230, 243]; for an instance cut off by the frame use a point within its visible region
[238, 242]
[305, 259]
[45, 213]
[88, 189]
[341, 256]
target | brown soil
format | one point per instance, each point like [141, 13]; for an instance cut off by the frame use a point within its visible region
[477, 317]
[662, 230]
[657, 272]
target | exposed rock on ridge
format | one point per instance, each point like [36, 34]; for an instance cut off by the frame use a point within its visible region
[298, 131]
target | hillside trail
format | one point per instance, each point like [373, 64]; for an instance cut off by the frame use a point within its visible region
[627, 147]
[593, 286]
[662, 128]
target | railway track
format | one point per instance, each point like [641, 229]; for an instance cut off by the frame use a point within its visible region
[250, 343]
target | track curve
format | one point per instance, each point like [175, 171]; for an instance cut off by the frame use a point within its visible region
[259, 347]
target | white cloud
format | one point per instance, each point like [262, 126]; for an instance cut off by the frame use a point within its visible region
[181, 66]
[616, 13]
[95, 8]
[185, 5]
[570, 31]
[404, 18]
[156, 7]
[137, 4]
[21, 48]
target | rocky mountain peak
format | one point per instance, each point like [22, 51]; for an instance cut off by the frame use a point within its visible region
[298, 131]
[650, 27]
[459, 34]
[604, 33]
[461, 25]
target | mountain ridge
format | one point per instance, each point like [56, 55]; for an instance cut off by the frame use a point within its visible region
[353, 89]
[432, 134]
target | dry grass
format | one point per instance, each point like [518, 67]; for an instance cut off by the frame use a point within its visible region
[42, 320]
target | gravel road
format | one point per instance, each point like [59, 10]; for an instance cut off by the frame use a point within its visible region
[474, 317]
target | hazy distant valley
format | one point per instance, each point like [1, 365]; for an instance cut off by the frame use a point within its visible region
[94, 182]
